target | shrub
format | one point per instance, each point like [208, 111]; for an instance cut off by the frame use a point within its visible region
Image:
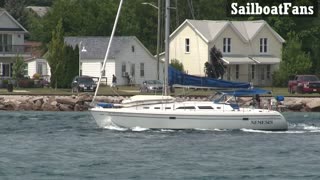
[26, 83]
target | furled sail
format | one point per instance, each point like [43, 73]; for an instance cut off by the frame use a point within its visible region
[179, 78]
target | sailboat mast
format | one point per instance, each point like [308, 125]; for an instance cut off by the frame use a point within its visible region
[167, 34]
[108, 48]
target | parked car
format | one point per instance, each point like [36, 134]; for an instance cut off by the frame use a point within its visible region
[83, 83]
[304, 84]
[151, 86]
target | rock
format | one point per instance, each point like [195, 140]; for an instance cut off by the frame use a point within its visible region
[65, 107]
[84, 97]
[66, 100]
[37, 105]
[10, 106]
[34, 99]
[25, 106]
[313, 105]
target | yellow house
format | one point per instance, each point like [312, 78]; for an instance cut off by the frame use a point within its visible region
[251, 49]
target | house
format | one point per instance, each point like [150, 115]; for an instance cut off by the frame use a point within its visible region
[129, 60]
[37, 63]
[251, 49]
[12, 43]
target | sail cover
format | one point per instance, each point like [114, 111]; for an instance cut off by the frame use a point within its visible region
[179, 78]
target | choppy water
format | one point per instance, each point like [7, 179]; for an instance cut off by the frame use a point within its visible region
[51, 145]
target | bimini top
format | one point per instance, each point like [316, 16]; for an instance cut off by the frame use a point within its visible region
[245, 92]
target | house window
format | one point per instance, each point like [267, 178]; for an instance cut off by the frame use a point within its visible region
[132, 48]
[103, 73]
[141, 69]
[133, 70]
[123, 69]
[5, 42]
[226, 45]
[41, 68]
[263, 45]
[252, 71]
[6, 70]
[268, 71]
[237, 71]
[187, 45]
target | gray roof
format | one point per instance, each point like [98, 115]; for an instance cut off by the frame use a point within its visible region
[96, 46]
[210, 29]
[39, 10]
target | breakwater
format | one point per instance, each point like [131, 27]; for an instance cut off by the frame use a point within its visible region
[81, 102]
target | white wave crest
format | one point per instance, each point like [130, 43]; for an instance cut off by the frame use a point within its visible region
[273, 132]
[138, 129]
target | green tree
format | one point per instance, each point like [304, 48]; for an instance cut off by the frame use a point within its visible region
[215, 68]
[18, 68]
[175, 63]
[294, 61]
[56, 55]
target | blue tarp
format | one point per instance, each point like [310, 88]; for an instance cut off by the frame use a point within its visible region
[180, 78]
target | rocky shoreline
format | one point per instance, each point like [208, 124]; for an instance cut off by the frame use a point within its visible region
[81, 102]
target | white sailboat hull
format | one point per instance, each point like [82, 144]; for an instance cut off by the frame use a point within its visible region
[189, 119]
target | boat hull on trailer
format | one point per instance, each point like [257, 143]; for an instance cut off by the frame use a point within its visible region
[189, 119]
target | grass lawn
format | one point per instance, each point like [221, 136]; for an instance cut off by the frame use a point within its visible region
[134, 90]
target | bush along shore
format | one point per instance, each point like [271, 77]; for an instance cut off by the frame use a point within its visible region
[82, 102]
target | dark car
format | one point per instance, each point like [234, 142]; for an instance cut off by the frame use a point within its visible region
[151, 86]
[83, 83]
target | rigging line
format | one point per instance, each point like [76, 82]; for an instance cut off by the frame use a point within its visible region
[108, 48]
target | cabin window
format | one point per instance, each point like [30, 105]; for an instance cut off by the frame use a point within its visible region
[268, 71]
[253, 69]
[237, 71]
[141, 69]
[263, 45]
[145, 107]
[168, 108]
[186, 107]
[156, 107]
[187, 45]
[205, 107]
[218, 107]
[103, 71]
[226, 45]
[132, 48]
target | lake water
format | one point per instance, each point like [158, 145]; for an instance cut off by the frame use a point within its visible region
[68, 145]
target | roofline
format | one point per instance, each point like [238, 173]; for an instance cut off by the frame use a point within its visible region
[192, 27]
[4, 11]
[277, 36]
[233, 28]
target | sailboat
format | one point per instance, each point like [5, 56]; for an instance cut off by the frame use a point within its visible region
[166, 112]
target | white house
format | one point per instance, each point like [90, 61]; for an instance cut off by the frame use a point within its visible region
[37, 63]
[251, 49]
[12, 43]
[128, 59]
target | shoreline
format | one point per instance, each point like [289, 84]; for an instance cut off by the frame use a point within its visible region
[81, 102]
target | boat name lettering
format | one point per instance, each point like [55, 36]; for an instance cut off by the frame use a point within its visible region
[262, 122]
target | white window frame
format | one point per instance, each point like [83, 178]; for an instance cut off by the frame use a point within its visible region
[187, 45]
[263, 48]
[227, 45]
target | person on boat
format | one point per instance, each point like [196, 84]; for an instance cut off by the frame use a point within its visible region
[114, 81]
[258, 101]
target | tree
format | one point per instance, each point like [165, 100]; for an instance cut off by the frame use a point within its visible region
[294, 61]
[16, 8]
[18, 68]
[56, 55]
[215, 68]
[175, 63]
